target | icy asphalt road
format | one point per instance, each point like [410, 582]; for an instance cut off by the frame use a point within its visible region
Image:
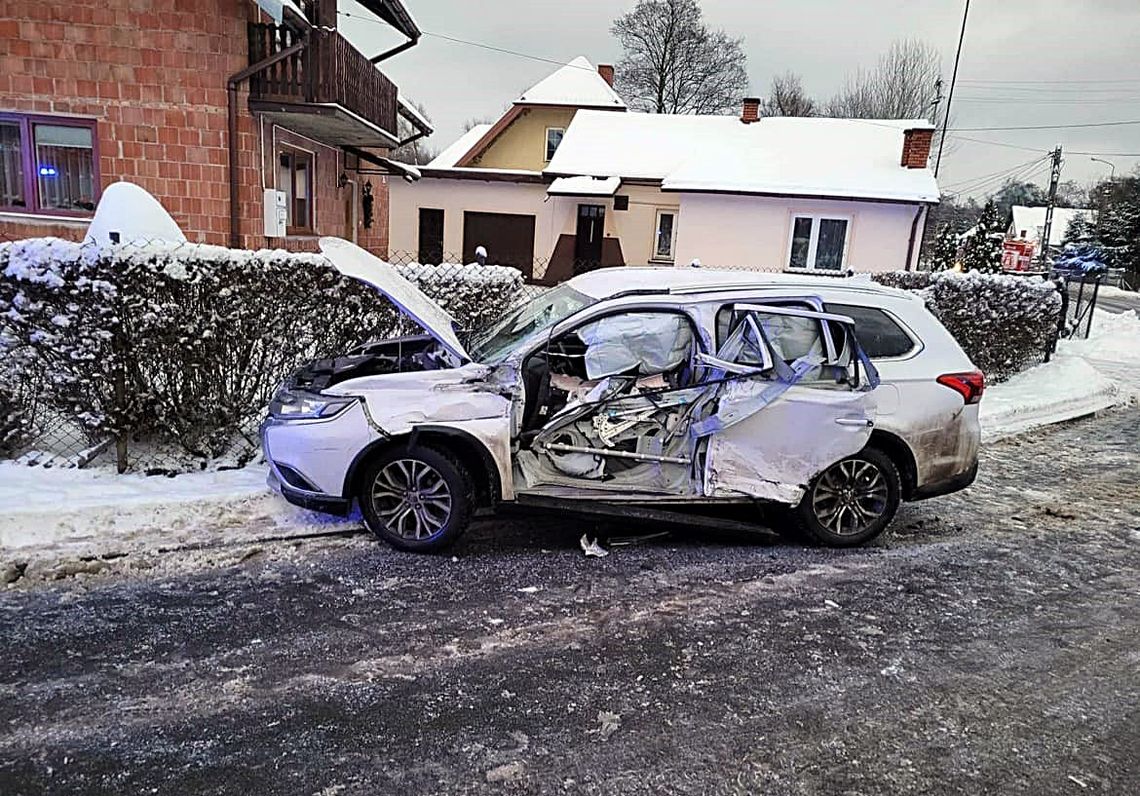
[991, 644]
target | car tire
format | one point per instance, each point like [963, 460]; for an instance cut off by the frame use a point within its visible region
[851, 502]
[418, 498]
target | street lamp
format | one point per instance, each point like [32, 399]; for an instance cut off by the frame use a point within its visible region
[1111, 174]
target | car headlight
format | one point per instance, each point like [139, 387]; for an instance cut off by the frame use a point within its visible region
[293, 405]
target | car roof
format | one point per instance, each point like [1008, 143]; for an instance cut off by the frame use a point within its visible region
[605, 283]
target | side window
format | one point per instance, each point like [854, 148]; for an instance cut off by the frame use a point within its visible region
[728, 316]
[878, 333]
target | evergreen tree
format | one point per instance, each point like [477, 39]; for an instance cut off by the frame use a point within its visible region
[982, 251]
[944, 249]
[1078, 230]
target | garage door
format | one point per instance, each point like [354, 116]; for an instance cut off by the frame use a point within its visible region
[507, 237]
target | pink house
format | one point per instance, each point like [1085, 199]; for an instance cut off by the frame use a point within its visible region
[576, 181]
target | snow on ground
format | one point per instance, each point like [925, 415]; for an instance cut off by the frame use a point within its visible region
[1085, 376]
[1063, 389]
[56, 513]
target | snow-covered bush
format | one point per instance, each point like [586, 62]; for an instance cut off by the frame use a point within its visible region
[1004, 323]
[182, 345]
[13, 420]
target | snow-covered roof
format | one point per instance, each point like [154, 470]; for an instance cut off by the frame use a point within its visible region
[857, 158]
[460, 147]
[636, 145]
[577, 83]
[1032, 221]
[584, 186]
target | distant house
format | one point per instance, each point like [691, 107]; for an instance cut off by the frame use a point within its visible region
[208, 105]
[1028, 223]
[569, 180]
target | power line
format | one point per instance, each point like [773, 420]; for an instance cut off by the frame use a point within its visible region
[469, 43]
[995, 143]
[1049, 82]
[1023, 173]
[1045, 126]
[996, 173]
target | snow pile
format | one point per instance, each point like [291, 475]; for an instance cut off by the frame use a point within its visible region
[1086, 376]
[1115, 337]
[1063, 389]
[127, 213]
[54, 512]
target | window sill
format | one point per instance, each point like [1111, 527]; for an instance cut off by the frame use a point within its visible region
[44, 218]
[816, 271]
[662, 261]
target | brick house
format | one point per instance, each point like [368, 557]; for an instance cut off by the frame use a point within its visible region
[206, 104]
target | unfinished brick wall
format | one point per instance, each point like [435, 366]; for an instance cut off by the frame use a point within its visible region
[153, 73]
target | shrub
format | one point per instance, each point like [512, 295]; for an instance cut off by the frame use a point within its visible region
[182, 345]
[1003, 323]
[13, 421]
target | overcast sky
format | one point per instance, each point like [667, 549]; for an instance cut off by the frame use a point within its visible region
[1065, 41]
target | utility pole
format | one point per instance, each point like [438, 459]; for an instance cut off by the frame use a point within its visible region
[1054, 180]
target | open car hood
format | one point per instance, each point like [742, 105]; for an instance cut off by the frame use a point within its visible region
[351, 260]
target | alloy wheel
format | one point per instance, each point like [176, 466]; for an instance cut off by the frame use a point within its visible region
[850, 496]
[412, 499]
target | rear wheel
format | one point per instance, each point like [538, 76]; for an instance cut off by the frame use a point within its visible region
[418, 499]
[852, 501]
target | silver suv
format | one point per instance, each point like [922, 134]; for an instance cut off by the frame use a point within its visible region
[648, 387]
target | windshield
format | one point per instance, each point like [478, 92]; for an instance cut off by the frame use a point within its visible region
[526, 320]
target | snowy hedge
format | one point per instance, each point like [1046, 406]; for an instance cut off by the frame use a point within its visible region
[1004, 323]
[179, 347]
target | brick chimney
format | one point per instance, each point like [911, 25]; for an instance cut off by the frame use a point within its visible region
[751, 110]
[916, 148]
[607, 73]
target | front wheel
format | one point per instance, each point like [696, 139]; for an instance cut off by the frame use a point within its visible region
[852, 501]
[418, 499]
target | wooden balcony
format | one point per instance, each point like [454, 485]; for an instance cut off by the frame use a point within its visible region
[328, 91]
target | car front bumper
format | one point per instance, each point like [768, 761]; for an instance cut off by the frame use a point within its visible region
[310, 460]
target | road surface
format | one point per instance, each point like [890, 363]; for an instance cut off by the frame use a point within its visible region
[988, 645]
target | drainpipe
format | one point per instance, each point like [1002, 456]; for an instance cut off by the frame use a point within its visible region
[231, 102]
[919, 213]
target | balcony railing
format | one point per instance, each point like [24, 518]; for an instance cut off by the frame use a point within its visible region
[327, 71]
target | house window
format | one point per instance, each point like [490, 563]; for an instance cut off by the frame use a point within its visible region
[664, 235]
[295, 178]
[818, 243]
[48, 165]
[553, 139]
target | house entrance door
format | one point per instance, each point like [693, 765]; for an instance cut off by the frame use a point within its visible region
[588, 237]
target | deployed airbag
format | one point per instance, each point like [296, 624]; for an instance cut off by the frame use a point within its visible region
[651, 342]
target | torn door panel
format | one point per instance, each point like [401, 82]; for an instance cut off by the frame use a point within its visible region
[774, 453]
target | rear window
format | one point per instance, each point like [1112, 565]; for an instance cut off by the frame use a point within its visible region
[878, 333]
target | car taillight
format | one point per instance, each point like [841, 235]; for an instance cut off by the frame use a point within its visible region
[969, 385]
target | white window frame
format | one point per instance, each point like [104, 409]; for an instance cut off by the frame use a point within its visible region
[813, 241]
[653, 255]
[546, 153]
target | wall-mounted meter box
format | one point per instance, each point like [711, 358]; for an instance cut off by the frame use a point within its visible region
[276, 213]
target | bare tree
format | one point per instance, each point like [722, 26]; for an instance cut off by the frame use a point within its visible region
[673, 63]
[787, 98]
[903, 85]
[417, 152]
